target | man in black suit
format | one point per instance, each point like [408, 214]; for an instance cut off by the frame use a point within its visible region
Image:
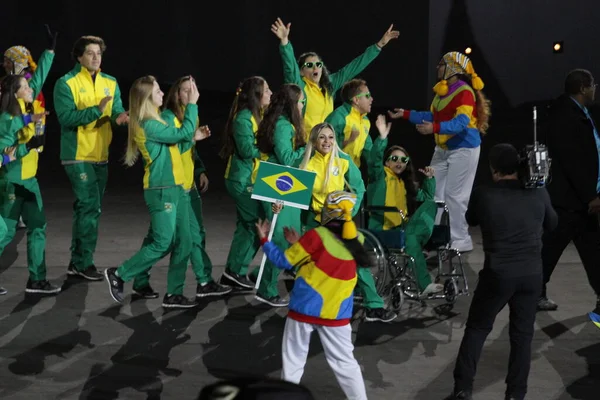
[574, 144]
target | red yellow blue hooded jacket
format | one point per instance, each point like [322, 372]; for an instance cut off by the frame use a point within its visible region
[326, 277]
[454, 118]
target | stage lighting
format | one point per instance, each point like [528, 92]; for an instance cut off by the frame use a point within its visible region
[468, 50]
[558, 47]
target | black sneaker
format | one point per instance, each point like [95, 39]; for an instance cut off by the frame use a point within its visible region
[379, 314]
[274, 301]
[545, 304]
[212, 288]
[90, 273]
[42, 287]
[146, 292]
[462, 395]
[71, 270]
[232, 279]
[2, 291]
[177, 301]
[115, 284]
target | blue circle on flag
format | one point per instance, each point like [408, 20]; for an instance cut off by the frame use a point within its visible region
[284, 183]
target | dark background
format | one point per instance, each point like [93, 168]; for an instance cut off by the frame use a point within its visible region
[220, 43]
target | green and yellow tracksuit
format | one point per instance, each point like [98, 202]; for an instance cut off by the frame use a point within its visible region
[344, 119]
[193, 167]
[343, 170]
[164, 177]
[318, 105]
[385, 188]
[86, 134]
[19, 188]
[240, 174]
[284, 153]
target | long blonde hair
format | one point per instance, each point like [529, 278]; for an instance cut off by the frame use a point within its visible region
[335, 153]
[140, 108]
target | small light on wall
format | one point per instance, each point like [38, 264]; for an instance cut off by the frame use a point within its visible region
[557, 47]
[468, 50]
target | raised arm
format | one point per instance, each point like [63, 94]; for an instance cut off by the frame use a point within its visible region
[169, 134]
[375, 155]
[291, 72]
[375, 160]
[296, 255]
[41, 72]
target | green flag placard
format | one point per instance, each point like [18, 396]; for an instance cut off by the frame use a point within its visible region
[292, 186]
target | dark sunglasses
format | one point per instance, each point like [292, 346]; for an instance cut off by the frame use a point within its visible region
[367, 95]
[318, 64]
[402, 159]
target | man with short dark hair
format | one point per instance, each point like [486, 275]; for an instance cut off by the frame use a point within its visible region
[512, 270]
[86, 102]
[350, 121]
[574, 144]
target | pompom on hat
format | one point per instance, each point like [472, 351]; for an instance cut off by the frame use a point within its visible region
[457, 63]
[338, 206]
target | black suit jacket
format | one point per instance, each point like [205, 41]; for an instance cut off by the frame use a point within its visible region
[572, 147]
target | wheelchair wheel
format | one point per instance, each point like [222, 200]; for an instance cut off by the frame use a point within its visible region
[396, 298]
[378, 259]
[450, 290]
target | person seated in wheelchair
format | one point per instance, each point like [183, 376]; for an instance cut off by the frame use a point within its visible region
[392, 183]
[327, 258]
[335, 172]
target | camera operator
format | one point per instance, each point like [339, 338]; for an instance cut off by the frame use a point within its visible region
[574, 144]
[512, 220]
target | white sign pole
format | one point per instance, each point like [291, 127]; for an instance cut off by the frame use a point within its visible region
[264, 257]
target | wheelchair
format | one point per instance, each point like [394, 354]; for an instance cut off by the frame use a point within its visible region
[395, 273]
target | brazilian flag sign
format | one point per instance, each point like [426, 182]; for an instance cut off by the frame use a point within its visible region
[292, 186]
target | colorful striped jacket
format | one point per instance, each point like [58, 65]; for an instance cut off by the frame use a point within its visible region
[326, 277]
[454, 118]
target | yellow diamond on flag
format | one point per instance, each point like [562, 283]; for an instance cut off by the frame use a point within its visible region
[284, 183]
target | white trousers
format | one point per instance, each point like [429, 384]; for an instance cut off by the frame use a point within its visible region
[338, 347]
[454, 174]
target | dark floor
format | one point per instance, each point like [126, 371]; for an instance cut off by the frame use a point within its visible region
[80, 344]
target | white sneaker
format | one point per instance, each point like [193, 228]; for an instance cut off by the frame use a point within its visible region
[432, 288]
[21, 224]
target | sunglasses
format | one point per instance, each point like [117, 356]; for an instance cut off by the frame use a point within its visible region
[318, 64]
[403, 159]
[303, 101]
[366, 94]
